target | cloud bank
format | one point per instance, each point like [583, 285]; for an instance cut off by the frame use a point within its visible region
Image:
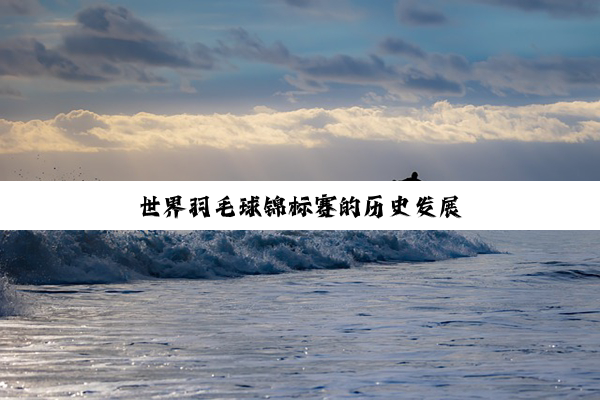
[85, 131]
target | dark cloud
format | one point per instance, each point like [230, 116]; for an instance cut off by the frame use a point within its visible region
[19, 7]
[545, 76]
[8, 91]
[129, 51]
[299, 3]
[557, 8]
[434, 85]
[28, 57]
[344, 68]
[314, 72]
[316, 68]
[448, 64]
[343, 10]
[448, 73]
[416, 13]
[402, 48]
[109, 44]
[413, 13]
[116, 21]
[243, 44]
[114, 34]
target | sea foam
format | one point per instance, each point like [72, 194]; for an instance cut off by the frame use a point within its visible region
[11, 302]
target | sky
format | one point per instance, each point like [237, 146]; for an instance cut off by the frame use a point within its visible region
[299, 89]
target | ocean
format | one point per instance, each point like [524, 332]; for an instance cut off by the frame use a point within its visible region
[319, 314]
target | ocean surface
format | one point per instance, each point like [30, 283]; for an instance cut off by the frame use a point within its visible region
[300, 314]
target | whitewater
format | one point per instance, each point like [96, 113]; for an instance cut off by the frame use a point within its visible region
[323, 314]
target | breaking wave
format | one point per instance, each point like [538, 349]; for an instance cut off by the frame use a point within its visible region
[77, 257]
[10, 300]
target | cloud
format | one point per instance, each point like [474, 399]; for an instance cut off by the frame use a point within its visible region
[22, 57]
[243, 44]
[423, 74]
[115, 21]
[19, 7]
[412, 13]
[77, 125]
[114, 34]
[85, 131]
[108, 44]
[329, 9]
[8, 91]
[264, 110]
[315, 72]
[544, 76]
[28, 57]
[400, 47]
[556, 8]
[299, 3]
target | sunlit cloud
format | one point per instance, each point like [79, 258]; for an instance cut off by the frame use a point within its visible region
[85, 131]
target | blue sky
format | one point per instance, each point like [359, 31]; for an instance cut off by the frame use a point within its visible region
[299, 75]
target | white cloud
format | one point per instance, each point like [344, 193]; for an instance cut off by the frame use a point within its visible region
[264, 110]
[85, 131]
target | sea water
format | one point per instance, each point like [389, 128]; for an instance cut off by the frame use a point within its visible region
[300, 314]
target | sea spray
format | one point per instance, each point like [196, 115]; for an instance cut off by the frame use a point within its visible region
[56, 257]
[11, 303]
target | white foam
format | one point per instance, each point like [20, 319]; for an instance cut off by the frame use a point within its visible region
[42, 257]
[10, 301]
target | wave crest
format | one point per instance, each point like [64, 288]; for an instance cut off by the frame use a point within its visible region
[56, 257]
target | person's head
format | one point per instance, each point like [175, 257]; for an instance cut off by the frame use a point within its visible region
[414, 175]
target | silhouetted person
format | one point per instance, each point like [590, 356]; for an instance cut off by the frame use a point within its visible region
[413, 177]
